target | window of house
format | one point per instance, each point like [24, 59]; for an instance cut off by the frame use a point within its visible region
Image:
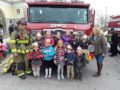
[18, 11]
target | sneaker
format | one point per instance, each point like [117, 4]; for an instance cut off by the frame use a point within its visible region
[49, 76]
[58, 77]
[71, 79]
[68, 78]
[35, 77]
[46, 77]
[62, 77]
[80, 78]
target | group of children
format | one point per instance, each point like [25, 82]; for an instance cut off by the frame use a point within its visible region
[60, 55]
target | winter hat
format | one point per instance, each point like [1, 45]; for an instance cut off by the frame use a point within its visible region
[38, 34]
[35, 44]
[69, 47]
[84, 36]
[79, 48]
[75, 33]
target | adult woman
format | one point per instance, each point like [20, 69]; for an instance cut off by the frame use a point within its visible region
[67, 38]
[49, 36]
[1, 33]
[57, 38]
[100, 43]
[75, 41]
[38, 39]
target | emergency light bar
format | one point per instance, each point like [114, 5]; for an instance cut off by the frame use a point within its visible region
[71, 1]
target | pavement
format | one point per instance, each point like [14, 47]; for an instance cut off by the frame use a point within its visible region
[109, 80]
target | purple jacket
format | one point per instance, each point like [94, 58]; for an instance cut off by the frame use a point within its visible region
[66, 39]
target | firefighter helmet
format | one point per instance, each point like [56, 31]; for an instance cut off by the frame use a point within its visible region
[22, 22]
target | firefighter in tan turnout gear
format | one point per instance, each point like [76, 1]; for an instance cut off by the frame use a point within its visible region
[20, 44]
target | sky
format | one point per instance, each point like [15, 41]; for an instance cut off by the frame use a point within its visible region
[111, 7]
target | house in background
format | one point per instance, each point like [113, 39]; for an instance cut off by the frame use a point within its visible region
[11, 11]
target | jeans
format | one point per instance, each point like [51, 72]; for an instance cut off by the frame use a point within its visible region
[100, 58]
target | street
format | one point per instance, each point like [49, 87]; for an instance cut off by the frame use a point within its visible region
[110, 79]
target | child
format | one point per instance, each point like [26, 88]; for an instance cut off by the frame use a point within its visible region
[79, 62]
[70, 62]
[84, 42]
[59, 59]
[1, 52]
[36, 56]
[48, 53]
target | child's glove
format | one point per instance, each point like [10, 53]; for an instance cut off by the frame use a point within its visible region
[65, 59]
[55, 62]
[71, 62]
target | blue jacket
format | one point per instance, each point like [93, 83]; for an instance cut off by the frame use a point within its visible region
[48, 53]
[70, 58]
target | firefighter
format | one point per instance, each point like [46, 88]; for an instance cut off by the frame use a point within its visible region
[20, 44]
[114, 43]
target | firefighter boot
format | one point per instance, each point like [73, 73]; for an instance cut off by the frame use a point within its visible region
[20, 70]
[22, 77]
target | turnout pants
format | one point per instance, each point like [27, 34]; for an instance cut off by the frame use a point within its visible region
[22, 64]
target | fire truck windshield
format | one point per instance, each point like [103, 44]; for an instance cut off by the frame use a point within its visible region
[61, 15]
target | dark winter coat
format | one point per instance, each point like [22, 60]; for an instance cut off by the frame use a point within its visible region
[100, 44]
[70, 57]
[80, 61]
[75, 44]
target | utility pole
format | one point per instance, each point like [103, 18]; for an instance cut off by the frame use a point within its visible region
[105, 19]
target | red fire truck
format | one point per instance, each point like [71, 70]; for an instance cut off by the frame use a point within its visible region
[60, 16]
[114, 23]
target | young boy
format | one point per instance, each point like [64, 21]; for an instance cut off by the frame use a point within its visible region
[70, 57]
[36, 57]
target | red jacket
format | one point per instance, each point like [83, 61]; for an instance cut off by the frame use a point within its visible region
[34, 55]
[1, 52]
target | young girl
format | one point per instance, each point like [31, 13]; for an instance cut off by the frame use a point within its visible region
[48, 53]
[79, 62]
[36, 57]
[70, 57]
[59, 59]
